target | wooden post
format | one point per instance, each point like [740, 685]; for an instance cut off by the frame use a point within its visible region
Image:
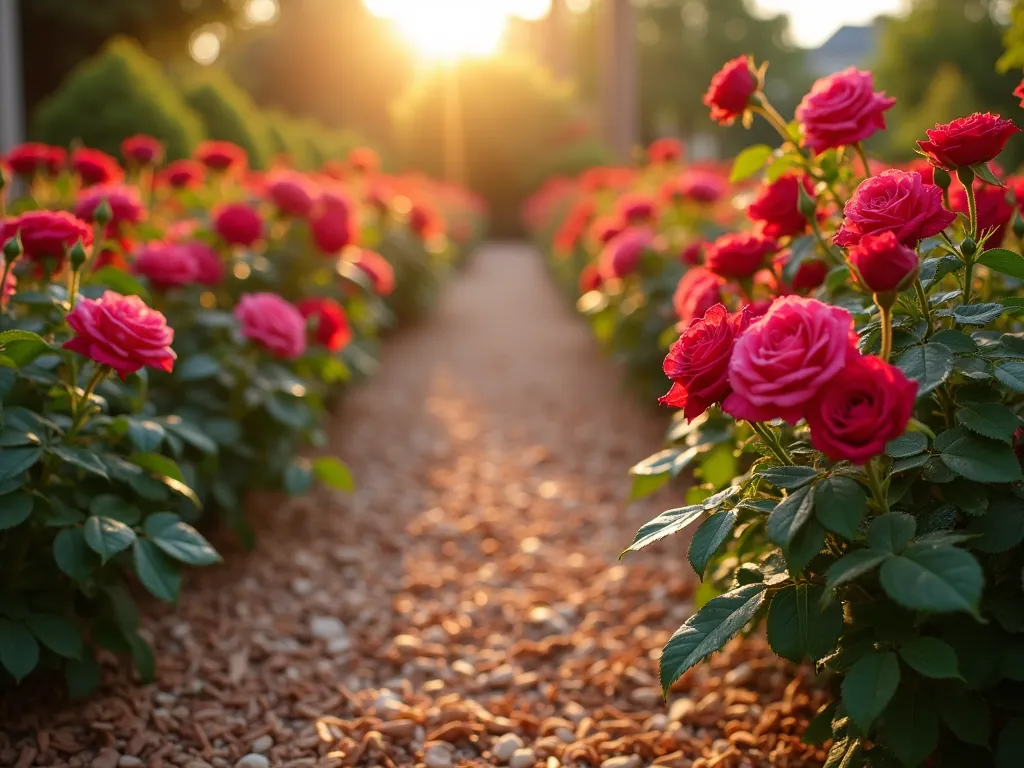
[617, 52]
[557, 41]
[12, 108]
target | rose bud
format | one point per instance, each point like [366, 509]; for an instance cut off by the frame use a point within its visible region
[730, 91]
[882, 264]
[967, 141]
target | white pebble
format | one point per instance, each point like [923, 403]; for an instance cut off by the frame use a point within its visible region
[437, 757]
[253, 760]
[327, 627]
[522, 758]
[130, 761]
[263, 743]
[506, 746]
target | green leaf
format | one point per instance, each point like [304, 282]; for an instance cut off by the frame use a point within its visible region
[298, 477]
[14, 461]
[933, 270]
[807, 543]
[156, 571]
[708, 630]
[928, 578]
[854, 564]
[791, 514]
[909, 444]
[191, 435]
[116, 508]
[182, 542]
[668, 522]
[292, 412]
[983, 172]
[19, 651]
[659, 463]
[928, 364]
[930, 657]
[709, 537]
[73, 555]
[787, 478]
[911, 725]
[819, 727]
[85, 460]
[978, 314]
[967, 716]
[911, 462]
[840, 504]
[984, 461]
[8, 337]
[1010, 744]
[333, 472]
[1011, 374]
[1005, 261]
[157, 464]
[958, 342]
[82, 675]
[145, 434]
[15, 509]
[107, 537]
[56, 633]
[989, 420]
[999, 529]
[198, 367]
[800, 626]
[749, 161]
[120, 281]
[869, 685]
[891, 532]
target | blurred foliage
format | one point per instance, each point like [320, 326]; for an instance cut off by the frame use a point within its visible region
[488, 123]
[307, 143]
[941, 60]
[1013, 39]
[228, 113]
[119, 92]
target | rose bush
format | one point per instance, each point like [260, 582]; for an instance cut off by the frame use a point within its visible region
[169, 340]
[849, 399]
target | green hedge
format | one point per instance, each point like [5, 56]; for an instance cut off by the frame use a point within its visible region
[228, 113]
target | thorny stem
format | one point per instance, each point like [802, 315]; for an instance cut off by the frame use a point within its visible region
[875, 483]
[859, 149]
[886, 317]
[82, 407]
[922, 298]
[771, 443]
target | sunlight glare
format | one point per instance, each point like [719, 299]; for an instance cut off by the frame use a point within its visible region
[529, 10]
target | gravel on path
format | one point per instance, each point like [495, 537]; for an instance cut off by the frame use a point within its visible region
[464, 607]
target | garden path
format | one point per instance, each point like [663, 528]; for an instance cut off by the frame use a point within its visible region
[464, 604]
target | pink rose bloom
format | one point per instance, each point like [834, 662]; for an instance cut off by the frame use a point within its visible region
[166, 265]
[786, 357]
[209, 267]
[124, 202]
[122, 332]
[894, 201]
[273, 323]
[622, 255]
[292, 192]
[637, 208]
[842, 109]
[333, 222]
[697, 291]
[701, 186]
[378, 269]
[238, 224]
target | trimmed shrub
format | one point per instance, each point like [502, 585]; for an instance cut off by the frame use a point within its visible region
[228, 113]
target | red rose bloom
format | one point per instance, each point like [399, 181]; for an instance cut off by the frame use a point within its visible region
[698, 361]
[425, 221]
[364, 160]
[881, 263]
[333, 223]
[637, 209]
[842, 109]
[739, 255]
[124, 201]
[776, 209]
[697, 291]
[30, 158]
[1019, 92]
[142, 150]
[184, 174]
[970, 140]
[238, 224]
[994, 211]
[166, 265]
[665, 150]
[292, 192]
[222, 156]
[897, 201]
[605, 228]
[46, 235]
[693, 254]
[729, 94]
[330, 328]
[95, 167]
[922, 166]
[122, 332]
[621, 256]
[378, 269]
[809, 275]
[865, 406]
[699, 186]
[590, 279]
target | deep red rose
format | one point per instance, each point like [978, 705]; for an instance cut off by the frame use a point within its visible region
[698, 361]
[30, 158]
[697, 291]
[378, 269]
[693, 253]
[776, 209]
[95, 167]
[970, 140]
[329, 328]
[809, 275]
[364, 160]
[729, 94]
[122, 332]
[923, 167]
[123, 199]
[292, 192]
[46, 236]
[994, 211]
[238, 224]
[621, 256]
[842, 109]
[739, 255]
[425, 221]
[166, 265]
[590, 278]
[881, 263]
[333, 222]
[637, 208]
[665, 150]
[142, 150]
[865, 406]
[896, 201]
[222, 156]
[184, 174]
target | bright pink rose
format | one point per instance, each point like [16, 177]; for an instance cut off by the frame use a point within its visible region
[865, 406]
[30, 158]
[590, 279]
[123, 199]
[209, 267]
[698, 361]
[273, 323]
[221, 156]
[776, 209]
[994, 212]
[142, 150]
[95, 167]
[46, 236]
[122, 332]
[739, 254]
[378, 269]
[786, 357]
[842, 109]
[882, 263]
[622, 255]
[665, 150]
[166, 265]
[896, 201]
[333, 223]
[699, 186]
[637, 208]
[184, 174]
[729, 94]
[238, 224]
[697, 291]
[330, 328]
[292, 192]
[970, 140]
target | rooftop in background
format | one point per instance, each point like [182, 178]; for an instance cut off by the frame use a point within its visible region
[850, 46]
[813, 22]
